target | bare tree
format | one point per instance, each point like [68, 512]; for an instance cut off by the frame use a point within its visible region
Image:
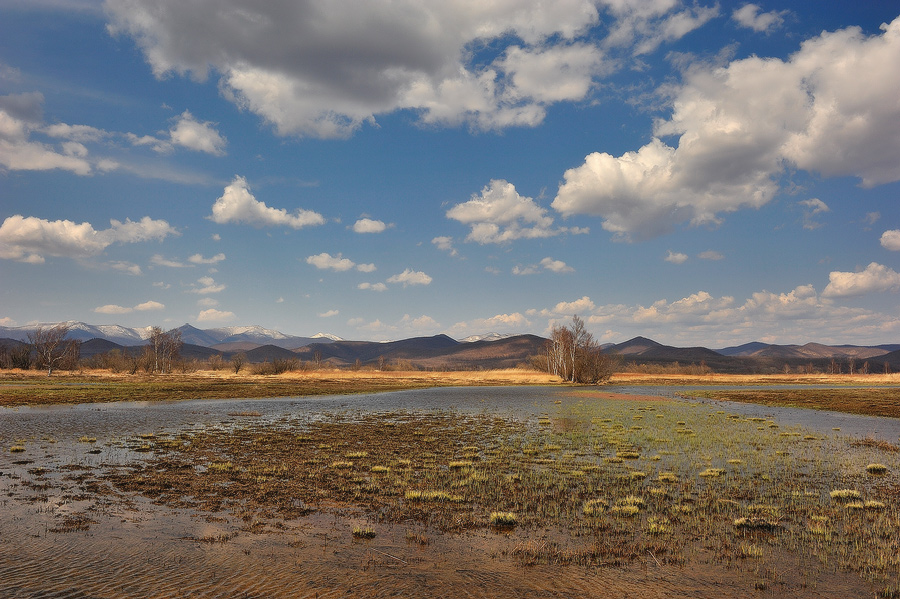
[237, 361]
[51, 348]
[574, 355]
[163, 350]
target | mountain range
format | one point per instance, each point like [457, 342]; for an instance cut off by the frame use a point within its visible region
[491, 350]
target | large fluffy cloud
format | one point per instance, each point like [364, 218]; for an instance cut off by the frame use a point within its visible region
[323, 67]
[499, 214]
[830, 108]
[20, 117]
[875, 278]
[238, 205]
[29, 239]
[890, 240]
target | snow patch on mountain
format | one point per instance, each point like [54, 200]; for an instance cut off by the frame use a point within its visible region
[485, 337]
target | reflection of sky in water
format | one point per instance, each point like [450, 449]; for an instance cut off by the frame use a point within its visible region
[113, 423]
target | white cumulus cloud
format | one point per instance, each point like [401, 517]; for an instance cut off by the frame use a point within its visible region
[372, 286]
[142, 307]
[190, 133]
[890, 240]
[29, 239]
[206, 286]
[238, 205]
[323, 68]
[675, 257]
[368, 225]
[445, 244]
[829, 108]
[326, 261]
[875, 278]
[213, 315]
[199, 259]
[410, 277]
[752, 17]
[499, 214]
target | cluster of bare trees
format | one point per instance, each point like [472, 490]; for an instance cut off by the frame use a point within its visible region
[163, 350]
[574, 355]
[52, 350]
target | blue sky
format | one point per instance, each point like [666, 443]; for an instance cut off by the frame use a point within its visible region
[699, 173]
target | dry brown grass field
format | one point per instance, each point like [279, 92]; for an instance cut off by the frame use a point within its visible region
[31, 387]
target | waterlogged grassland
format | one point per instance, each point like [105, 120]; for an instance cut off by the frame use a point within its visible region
[590, 482]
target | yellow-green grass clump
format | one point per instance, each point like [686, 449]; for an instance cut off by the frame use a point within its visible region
[364, 532]
[416, 495]
[356, 454]
[712, 472]
[17, 448]
[342, 465]
[503, 519]
[657, 525]
[877, 469]
[667, 477]
[627, 506]
[86, 439]
[380, 469]
[594, 508]
[845, 494]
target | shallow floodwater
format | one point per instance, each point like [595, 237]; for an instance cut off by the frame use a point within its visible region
[56, 540]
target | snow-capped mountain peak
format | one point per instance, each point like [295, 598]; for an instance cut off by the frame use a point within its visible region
[327, 336]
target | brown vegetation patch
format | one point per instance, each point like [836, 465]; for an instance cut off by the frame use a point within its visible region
[875, 401]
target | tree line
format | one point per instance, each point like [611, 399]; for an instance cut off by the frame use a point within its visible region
[48, 349]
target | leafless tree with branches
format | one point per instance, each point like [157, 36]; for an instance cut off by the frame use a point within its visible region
[52, 349]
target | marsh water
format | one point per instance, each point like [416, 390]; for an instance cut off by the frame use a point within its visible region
[63, 535]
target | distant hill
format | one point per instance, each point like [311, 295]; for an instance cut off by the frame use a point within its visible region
[651, 350]
[367, 352]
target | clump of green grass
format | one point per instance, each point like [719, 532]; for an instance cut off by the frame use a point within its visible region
[356, 454]
[503, 519]
[657, 525]
[712, 472]
[625, 511]
[415, 495]
[86, 439]
[17, 449]
[628, 455]
[845, 494]
[667, 477]
[380, 469]
[360, 532]
[342, 465]
[459, 465]
[751, 551]
[593, 508]
[877, 469]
